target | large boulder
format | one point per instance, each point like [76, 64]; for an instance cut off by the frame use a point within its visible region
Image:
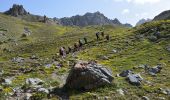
[88, 75]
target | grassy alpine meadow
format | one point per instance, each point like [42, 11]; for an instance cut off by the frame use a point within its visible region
[127, 49]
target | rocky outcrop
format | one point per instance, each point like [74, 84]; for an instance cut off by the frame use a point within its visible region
[16, 10]
[96, 18]
[88, 75]
[163, 16]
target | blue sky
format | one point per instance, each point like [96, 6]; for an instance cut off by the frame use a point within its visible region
[127, 11]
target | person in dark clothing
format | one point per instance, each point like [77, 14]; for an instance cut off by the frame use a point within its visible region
[69, 50]
[62, 52]
[85, 40]
[102, 33]
[75, 47]
[107, 37]
[97, 36]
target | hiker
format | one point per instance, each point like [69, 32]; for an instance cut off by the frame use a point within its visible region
[75, 47]
[97, 36]
[69, 50]
[62, 52]
[80, 43]
[107, 37]
[85, 40]
[102, 33]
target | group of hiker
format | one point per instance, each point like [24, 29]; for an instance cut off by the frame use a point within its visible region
[102, 35]
[77, 46]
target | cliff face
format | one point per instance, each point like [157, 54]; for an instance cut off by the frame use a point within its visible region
[16, 11]
[96, 18]
[163, 16]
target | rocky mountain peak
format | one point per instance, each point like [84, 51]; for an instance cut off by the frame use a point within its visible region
[142, 21]
[16, 10]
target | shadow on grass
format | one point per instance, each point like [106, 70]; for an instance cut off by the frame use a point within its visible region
[64, 93]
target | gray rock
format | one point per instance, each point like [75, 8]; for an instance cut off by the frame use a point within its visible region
[168, 48]
[168, 91]
[104, 58]
[27, 96]
[18, 59]
[164, 91]
[33, 57]
[155, 70]
[114, 51]
[88, 75]
[7, 81]
[1, 72]
[48, 65]
[145, 98]
[121, 92]
[134, 79]
[161, 98]
[44, 90]
[34, 81]
[18, 91]
[125, 73]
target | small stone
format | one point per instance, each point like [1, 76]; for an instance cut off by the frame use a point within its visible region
[114, 51]
[125, 73]
[161, 98]
[121, 92]
[44, 90]
[33, 57]
[18, 59]
[153, 71]
[106, 98]
[34, 81]
[168, 48]
[134, 79]
[6, 81]
[145, 98]
[27, 96]
[104, 58]
[1, 72]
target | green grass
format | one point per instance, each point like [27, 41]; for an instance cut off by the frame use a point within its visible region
[45, 41]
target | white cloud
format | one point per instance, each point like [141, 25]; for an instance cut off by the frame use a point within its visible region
[139, 1]
[125, 11]
[142, 15]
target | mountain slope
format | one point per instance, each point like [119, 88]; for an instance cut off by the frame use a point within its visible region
[134, 48]
[163, 16]
[96, 18]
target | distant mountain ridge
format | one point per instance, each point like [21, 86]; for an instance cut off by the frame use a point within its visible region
[96, 18]
[163, 16]
[142, 21]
